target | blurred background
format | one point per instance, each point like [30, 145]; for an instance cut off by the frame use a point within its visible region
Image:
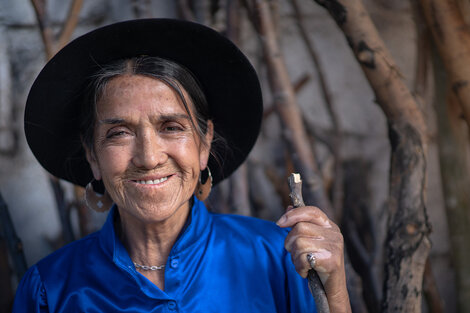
[319, 107]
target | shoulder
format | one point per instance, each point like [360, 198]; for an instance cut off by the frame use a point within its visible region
[30, 294]
[247, 228]
[249, 223]
[69, 255]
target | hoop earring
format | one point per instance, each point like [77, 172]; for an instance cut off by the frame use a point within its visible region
[204, 186]
[96, 201]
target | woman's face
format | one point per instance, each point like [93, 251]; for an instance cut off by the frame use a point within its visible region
[146, 150]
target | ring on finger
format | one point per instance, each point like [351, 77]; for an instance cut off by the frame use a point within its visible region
[312, 260]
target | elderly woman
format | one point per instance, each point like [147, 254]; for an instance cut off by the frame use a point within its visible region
[138, 112]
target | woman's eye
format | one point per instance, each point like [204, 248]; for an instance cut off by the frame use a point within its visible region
[116, 134]
[172, 128]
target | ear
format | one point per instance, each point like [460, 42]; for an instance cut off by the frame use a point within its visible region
[91, 158]
[206, 148]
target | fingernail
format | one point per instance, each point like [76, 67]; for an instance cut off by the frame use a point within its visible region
[282, 220]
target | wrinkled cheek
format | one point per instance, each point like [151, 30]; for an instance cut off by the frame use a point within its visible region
[114, 190]
[194, 181]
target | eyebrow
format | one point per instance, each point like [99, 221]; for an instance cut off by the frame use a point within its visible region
[174, 117]
[112, 121]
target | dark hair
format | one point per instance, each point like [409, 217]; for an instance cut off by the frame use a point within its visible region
[174, 75]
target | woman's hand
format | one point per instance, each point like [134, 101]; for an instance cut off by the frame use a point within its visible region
[313, 233]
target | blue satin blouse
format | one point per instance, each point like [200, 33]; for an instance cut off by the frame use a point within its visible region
[219, 263]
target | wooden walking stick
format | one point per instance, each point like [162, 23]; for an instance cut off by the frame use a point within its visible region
[314, 283]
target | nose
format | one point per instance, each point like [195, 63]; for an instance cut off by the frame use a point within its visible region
[150, 151]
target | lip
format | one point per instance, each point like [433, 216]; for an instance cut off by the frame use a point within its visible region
[137, 181]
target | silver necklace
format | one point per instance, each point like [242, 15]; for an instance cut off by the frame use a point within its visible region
[149, 268]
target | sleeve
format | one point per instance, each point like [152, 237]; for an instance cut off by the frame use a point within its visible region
[31, 295]
[300, 298]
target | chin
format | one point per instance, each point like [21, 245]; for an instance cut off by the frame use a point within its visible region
[154, 211]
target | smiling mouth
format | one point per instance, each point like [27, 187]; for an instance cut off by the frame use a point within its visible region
[151, 182]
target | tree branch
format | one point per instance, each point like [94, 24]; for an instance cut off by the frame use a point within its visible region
[43, 23]
[70, 23]
[337, 197]
[453, 160]
[407, 242]
[185, 11]
[288, 109]
[452, 38]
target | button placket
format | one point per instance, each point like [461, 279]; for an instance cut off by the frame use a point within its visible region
[171, 305]
[174, 263]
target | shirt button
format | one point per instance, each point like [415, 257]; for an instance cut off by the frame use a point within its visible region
[172, 305]
[174, 263]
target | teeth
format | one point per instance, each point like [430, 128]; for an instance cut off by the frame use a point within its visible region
[152, 182]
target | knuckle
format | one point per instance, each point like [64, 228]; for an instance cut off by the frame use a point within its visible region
[335, 237]
[300, 243]
[302, 227]
[339, 239]
[316, 212]
[335, 227]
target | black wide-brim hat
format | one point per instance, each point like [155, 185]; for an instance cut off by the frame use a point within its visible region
[227, 79]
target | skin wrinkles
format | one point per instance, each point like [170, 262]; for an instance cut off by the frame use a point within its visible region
[313, 232]
[144, 133]
[143, 146]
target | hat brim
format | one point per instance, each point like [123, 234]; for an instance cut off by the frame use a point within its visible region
[227, 79]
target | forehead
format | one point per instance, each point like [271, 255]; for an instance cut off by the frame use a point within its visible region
[128, 93]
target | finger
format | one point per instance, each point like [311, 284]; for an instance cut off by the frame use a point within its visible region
[328, 254]
[321, 263]
[319, 233]
[305, 214]
[306, 230]
[306, 261]
[299, 249]
[305, 245]
[301, 244]
[290, 207]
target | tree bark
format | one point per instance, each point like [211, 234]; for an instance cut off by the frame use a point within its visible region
[360, 230]
[288, 109]
[453, 157]
[240, 193]
[337, 187]
[407, 240]
[431, 293]
[290, 115]
[452, 38]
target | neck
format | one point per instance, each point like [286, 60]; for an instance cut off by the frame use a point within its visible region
[150, 243]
